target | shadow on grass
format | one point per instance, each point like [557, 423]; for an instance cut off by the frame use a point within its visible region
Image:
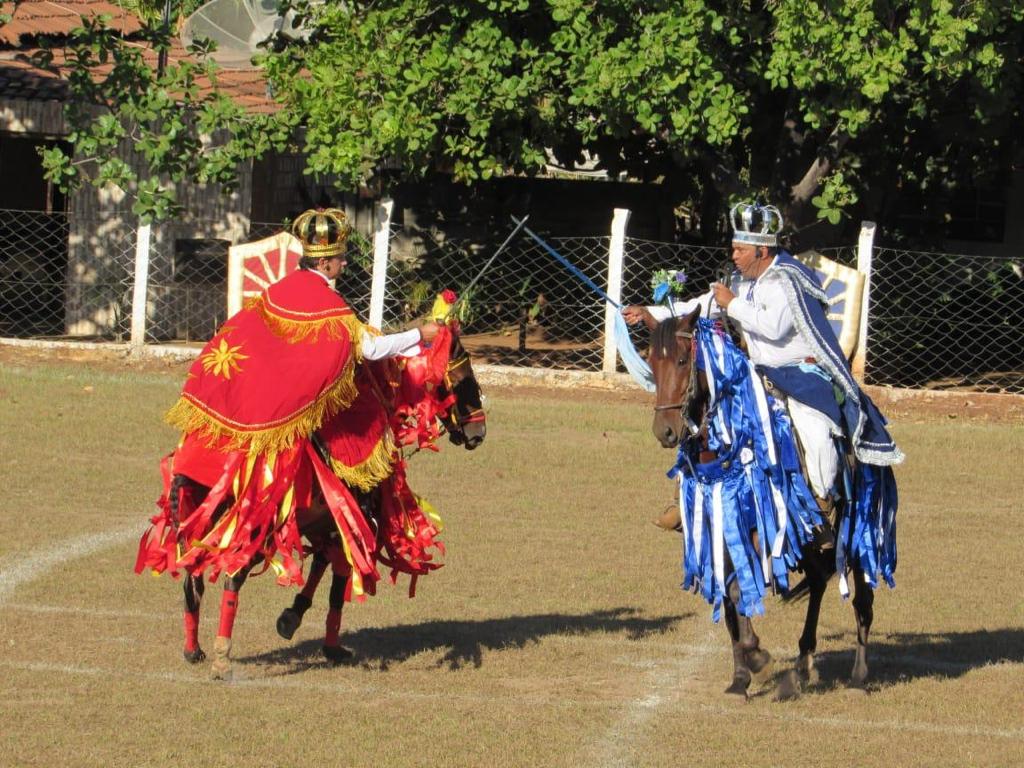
[905, 657]
[464, 642]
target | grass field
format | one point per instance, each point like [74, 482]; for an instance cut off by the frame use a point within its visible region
[556, 635]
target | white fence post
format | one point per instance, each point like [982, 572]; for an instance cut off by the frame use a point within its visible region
[616, 250]
[140, 288]
[381, 241]
[865, 245]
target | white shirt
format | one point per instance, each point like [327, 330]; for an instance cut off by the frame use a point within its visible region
[373, 347]
[763, 314]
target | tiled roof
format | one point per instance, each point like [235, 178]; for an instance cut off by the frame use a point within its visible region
[20, 79]
[46, 17]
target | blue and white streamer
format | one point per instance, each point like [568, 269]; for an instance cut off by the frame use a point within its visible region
[755, 484]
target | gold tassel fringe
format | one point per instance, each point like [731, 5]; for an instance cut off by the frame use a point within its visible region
[299, 331]
[369, 473]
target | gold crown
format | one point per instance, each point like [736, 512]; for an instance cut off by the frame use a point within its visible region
[323, 233]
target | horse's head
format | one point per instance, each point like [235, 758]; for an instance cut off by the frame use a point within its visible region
[671, 358]
[465, 419]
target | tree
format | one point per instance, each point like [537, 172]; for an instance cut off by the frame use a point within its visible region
[827, 108]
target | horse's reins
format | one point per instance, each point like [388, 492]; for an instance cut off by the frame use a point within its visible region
[724, 276]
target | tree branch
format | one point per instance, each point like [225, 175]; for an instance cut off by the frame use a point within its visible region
[802, 192]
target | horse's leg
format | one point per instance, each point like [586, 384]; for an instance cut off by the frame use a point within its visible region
[741, 632]
[333, 650]
[817, 572]
[863, 609]
[221, 667]
[793, 681]
[194, 588]
[291, 618]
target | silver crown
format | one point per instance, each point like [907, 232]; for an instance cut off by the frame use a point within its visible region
[755, 224]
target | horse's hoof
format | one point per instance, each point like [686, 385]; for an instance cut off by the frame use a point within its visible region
[859, 676]
[221, 667]
[739, 687]
[287, 623]
[807, 671]
[337, 654]
[194, 657]
[855, 690]
[789, 687]
[758, 660]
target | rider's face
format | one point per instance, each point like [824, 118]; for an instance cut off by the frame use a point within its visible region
[331, 267]
[750, 260]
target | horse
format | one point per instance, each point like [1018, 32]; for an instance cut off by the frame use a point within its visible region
[455, 401]
[679, 422]
[465, 424]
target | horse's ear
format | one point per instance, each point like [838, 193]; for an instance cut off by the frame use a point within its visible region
[691, 319]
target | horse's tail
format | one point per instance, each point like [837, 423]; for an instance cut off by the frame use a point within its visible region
[825, 565]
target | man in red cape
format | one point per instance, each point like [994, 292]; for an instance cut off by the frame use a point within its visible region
[294, 362]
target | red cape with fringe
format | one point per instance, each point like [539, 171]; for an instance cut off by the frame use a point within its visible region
[275, 370]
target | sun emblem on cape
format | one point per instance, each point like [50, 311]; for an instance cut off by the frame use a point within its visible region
[222, 360]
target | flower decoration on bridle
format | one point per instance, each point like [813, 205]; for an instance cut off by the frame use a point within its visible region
[445, 302]
[667, 283]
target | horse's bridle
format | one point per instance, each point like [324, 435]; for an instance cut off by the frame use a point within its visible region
[474, 414]
[689, 389]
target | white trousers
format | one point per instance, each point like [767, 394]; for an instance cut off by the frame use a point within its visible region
[816, 431]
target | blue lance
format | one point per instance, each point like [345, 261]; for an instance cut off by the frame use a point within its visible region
[635, 364]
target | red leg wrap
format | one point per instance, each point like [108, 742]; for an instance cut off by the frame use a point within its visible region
[333, 626]
[316, 572]
[228, 609]
[191, 630]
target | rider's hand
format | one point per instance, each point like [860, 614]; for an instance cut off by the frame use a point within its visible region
[722, 295]
[428, 331]
[634, 314]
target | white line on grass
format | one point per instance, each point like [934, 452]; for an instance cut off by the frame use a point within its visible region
[668, 688]
[25, 568]
[911, 726]
[660, 683]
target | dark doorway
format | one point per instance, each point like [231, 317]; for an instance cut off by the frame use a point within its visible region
[33, 241]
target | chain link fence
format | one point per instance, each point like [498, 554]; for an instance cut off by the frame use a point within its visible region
[64, 277]
[946, 321]
[525, 310]
[940, 321]
[188, 278]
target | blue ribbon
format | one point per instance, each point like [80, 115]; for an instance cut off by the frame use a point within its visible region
[634, 362]
[746, 472]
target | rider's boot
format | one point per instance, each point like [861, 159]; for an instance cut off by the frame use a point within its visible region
[824, 534]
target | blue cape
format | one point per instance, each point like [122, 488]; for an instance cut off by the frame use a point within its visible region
[863, 422]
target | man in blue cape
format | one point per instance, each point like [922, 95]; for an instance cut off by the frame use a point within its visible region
[780, 307]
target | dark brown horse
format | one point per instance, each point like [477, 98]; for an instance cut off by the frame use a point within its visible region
[465, 424]
[679, 411]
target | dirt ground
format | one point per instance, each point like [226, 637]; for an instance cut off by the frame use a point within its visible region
[896, 404]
